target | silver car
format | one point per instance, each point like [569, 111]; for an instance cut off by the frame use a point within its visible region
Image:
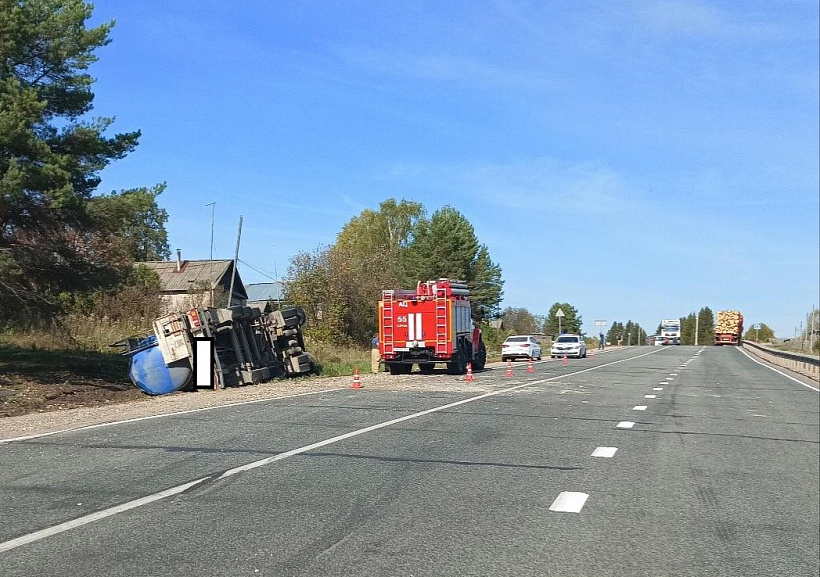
[520, 346]
[569, 345]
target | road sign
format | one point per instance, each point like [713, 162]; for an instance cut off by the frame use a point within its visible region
[560, 313]
[757, 327]
[600, 323]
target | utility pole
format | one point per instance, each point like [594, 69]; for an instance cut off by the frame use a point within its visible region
[235, 262]
[211, 275]
[697, 320]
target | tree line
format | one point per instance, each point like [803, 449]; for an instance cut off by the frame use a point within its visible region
[60, 243]
[64, 246]
[521, 321]
[701, 324]
[629, 333]
[393, 247]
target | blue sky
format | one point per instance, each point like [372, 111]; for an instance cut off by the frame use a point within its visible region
[639, 160]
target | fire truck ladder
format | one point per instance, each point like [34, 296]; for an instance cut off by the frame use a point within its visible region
[442, 332]
[387, 321]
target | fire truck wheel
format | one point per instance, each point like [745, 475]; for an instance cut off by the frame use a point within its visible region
[402, 369]
[458, 364]
[480, 357]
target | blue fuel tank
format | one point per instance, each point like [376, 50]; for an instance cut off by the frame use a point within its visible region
[149, 372]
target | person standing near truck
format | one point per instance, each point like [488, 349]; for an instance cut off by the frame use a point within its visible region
[600, 341]
[375, 356]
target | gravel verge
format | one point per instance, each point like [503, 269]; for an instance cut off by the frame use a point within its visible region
[52, 421]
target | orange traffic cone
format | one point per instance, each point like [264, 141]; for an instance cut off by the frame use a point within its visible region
[469, 377]
[530, 366]
[509, 369]
[357, 381]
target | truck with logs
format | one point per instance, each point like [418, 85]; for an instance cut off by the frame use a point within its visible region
[728, 328]
[429, 325]
[249, 347]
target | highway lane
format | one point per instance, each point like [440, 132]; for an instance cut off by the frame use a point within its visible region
[719, 473]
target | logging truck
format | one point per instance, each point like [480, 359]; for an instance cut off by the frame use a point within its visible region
[427, 326]
[728, 328]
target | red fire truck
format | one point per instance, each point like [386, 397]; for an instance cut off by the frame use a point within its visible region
[432, 324]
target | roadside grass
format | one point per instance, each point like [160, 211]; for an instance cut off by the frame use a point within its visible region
[795, 347]
[76, 332]
[54, 363]
[336, 360]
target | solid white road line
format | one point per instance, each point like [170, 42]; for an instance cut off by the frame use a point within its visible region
[569, 502]
[604, 452]
[25, 539]
[36, 536]
[626, 424]
[778, 372]
[134, 420]
[639, 408]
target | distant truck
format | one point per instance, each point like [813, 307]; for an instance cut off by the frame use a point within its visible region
[429, 325]
[670, 331]
[728, 328]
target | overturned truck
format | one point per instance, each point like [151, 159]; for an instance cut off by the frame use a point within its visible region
[249, 347]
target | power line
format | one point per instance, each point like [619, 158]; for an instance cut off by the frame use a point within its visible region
[263, 273]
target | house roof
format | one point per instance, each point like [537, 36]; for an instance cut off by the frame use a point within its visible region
[193, 272]
[264, 291]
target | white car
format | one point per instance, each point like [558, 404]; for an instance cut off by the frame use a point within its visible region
[569, 345]
[520, 346]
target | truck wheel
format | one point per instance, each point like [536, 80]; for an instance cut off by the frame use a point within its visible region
[480, 357]
[396, 369]
[458, 364]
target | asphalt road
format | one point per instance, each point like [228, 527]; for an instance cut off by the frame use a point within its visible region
[718, 474]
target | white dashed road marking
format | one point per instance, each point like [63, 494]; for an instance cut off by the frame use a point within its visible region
[650, 396]
[658, 389]
[639, 408]
[37, 535]
[626, 424]
[569, 502]
[604, 452]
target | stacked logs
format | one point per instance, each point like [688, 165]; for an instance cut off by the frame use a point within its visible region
[728, 322]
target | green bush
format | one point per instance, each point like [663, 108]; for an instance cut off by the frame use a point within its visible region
[492, 340]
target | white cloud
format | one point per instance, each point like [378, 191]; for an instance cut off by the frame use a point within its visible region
[443, 68]
[538, 184]
[699, 18]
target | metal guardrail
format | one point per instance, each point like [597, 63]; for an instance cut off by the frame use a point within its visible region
[804, 364]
